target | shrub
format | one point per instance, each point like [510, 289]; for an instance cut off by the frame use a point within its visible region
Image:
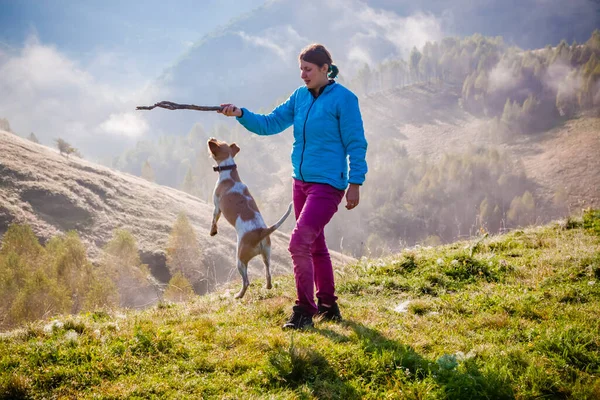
[591, 221]
[179, 289]
[183, 252]
[122, 262]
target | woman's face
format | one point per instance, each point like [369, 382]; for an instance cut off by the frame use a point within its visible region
[313, 76]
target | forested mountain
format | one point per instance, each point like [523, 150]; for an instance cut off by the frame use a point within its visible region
[252, 61]
[447, 156]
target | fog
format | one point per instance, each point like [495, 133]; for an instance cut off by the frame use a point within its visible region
[88, 97]
[445, 151]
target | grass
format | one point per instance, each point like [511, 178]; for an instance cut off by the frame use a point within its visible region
[501, 317]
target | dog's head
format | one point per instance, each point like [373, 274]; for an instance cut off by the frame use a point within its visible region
[221, 150]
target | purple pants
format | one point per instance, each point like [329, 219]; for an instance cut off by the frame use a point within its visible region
[314, 205]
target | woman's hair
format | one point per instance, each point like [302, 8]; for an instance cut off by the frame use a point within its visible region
[317, 54]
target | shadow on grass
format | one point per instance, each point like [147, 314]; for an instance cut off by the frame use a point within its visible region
[297, 367]
[389, 364]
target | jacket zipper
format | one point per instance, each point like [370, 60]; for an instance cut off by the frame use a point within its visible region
[304, 138]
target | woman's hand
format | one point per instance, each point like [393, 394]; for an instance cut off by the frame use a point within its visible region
[352, 196]
[230, 110]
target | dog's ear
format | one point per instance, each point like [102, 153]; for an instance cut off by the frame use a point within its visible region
[213, 146]
[234, 149]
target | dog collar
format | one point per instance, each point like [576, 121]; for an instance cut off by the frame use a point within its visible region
[224, 168]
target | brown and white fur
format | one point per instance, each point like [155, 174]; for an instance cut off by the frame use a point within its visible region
[233, 200]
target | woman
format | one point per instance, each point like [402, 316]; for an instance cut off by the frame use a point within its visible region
[328, 135]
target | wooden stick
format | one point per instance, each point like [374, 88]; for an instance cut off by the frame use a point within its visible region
[174, 106]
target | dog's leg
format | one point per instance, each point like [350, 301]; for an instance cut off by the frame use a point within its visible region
[243, 270]
[266, 256]
[216, 215]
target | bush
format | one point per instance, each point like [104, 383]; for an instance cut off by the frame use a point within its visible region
[179, 289]
[183, 252]
[122, 262]
[591, 221]
[39, 282]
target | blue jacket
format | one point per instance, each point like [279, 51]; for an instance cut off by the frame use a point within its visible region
[328, 134]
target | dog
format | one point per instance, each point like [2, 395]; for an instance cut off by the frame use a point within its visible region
[232, 199]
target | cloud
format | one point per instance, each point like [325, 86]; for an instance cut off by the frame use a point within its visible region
[360, 55]
[403, 32]
[128, 124]
[46, 92]
[363, 34]
[560, 74]
[503, 76]
[281, 40]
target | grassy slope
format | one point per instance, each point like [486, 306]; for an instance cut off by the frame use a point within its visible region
[512, 316]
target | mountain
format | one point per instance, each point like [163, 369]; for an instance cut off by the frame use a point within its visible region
[429, 122]
[252, 62]
[54, 194]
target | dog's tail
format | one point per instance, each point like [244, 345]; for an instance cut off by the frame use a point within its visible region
[277, 224]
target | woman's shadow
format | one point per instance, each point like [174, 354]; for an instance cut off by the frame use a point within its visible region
[391, 359]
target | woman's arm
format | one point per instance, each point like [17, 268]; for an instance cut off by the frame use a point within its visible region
[353, 139]
[281, 118]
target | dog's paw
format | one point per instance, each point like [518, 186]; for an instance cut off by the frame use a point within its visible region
[213, 232]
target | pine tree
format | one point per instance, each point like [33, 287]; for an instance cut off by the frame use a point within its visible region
[122, 262]
[183, 252]
[189, 183]
[148, 172]
[5, 125]
[33, 138]
[415, 59]
[179, 289]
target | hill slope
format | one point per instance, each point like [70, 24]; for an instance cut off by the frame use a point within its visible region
[428, 121]
[501, 317]
[54, 194]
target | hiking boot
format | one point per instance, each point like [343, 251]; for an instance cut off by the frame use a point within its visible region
[299, 319]
[331, 313]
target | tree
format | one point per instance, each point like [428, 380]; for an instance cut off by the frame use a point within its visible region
[363, 79]
[566, 97]
[415, 59]
[189, 183]
[38, 282]
[183, 253]
[5, 125]
[179, 289]
[148, 172]
[522, 209]
[65, 148]
[122, 262]
[87, 287]
[33, 138]
[20, 254]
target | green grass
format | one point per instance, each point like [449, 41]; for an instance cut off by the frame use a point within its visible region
[501, 317]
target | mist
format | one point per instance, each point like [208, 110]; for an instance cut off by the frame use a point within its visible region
[474, 82]
[89, 98]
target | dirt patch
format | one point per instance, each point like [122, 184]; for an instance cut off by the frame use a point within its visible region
[566, 159]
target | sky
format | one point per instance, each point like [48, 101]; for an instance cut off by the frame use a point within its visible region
[76, 69]
[66, 65]
[122, 41]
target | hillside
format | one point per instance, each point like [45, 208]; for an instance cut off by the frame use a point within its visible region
[262, 45]
[54, 194]
[429, 122]
[499, 317]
